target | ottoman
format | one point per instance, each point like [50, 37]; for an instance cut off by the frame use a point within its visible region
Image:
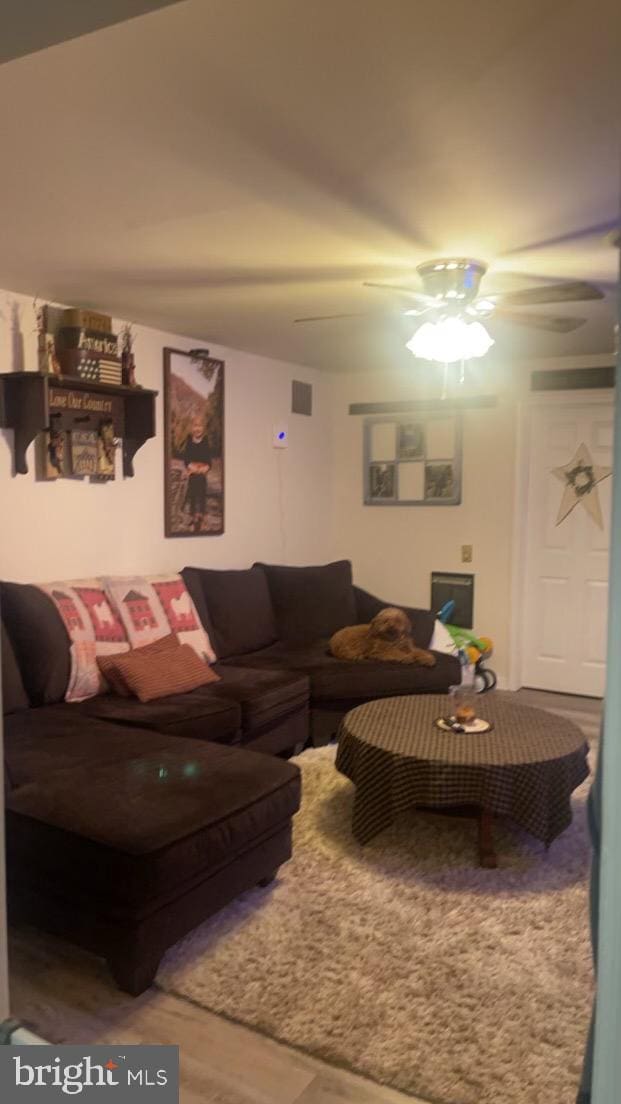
[126, 857]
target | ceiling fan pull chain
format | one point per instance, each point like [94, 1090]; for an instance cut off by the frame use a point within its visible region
[445, 380]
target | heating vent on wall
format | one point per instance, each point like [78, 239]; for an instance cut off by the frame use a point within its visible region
[454, 586]
[301, 397]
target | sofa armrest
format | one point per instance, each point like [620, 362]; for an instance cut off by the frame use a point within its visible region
[367, 605]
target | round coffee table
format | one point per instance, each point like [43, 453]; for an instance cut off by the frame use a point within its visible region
[525, 768]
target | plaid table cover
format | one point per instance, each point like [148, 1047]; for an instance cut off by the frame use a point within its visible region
[526, 768]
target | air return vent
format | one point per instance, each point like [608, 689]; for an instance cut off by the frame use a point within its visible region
[573, 379]
[301, 398]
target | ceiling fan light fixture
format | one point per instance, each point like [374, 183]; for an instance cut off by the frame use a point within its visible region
[449, 340]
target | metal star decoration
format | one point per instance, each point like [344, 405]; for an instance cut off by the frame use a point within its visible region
[580, 478]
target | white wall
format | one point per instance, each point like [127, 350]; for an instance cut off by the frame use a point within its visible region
[395, 549]
[300, 505]
[275, 500]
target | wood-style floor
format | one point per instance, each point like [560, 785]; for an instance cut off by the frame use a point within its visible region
[66, 995]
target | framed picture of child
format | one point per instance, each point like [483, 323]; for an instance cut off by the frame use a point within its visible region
[194, 444]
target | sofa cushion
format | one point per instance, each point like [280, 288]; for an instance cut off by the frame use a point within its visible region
[265, 696]
[311, 602]
[333, 680]
[244, 699]
[130, 832]
[14, 696]
[200, 714]
[40, 641]
[239, 607]
[38, 742]
[173, 670]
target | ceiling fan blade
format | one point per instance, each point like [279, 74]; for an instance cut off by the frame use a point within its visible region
[355, 314]
[549, 322]
[570, 292]
[599, 230]
[420, 296]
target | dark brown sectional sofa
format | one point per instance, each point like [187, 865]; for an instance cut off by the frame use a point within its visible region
[272, 617]
[129, 823]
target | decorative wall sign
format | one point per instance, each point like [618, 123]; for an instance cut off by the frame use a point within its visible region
[580, 477]
[413, 461]
[80, 343]
[83, 452]
[86, 402]
[37, 402]
[194, 444]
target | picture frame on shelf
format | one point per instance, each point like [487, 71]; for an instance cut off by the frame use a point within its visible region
[193, 444]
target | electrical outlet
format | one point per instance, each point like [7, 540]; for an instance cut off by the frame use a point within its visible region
[466, 553]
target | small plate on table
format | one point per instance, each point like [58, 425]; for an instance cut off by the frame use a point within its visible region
[451, 724]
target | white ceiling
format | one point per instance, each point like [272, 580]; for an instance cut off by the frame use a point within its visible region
[220, 168]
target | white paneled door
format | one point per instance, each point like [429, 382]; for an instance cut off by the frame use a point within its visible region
[566, 567]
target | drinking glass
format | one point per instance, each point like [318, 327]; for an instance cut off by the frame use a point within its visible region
[462, 703]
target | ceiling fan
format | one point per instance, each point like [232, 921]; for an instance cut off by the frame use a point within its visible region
[450, 290]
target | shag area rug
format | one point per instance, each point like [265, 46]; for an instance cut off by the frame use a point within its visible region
[404, 960]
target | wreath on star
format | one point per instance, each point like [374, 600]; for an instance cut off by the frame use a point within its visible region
[581, 478]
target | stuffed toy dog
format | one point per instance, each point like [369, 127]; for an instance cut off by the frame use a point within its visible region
[387, 637]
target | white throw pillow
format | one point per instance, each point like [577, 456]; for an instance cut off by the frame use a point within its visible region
[153, 606]
[442, 641]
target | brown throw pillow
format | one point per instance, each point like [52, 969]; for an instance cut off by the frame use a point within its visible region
[173, 671]
[108, 664]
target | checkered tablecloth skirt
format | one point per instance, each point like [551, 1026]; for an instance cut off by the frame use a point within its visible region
[525, 769]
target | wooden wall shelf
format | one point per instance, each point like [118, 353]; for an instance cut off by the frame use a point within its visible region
[33, 402]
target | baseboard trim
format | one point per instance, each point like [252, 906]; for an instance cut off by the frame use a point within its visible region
[24, 1037]
[12, 1033]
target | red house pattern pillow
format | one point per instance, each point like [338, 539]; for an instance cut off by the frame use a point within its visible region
[154, 606]
[94, 629]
